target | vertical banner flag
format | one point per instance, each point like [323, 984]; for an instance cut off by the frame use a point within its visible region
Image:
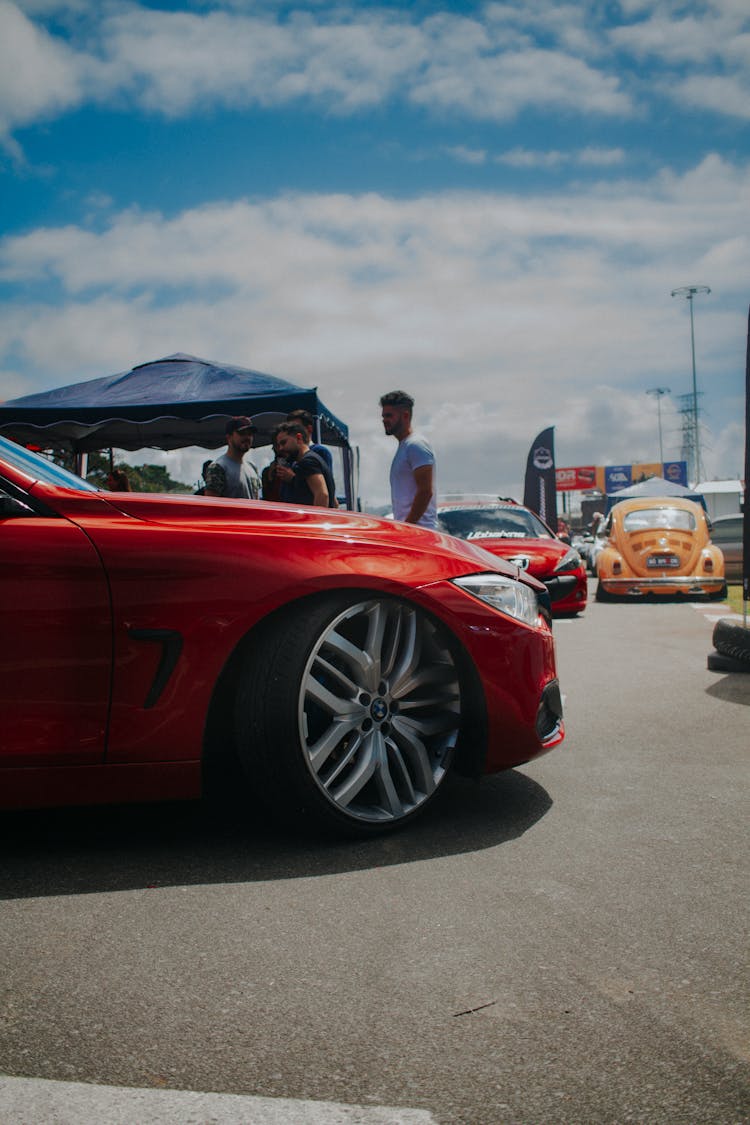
[746, 521]
[539, 491]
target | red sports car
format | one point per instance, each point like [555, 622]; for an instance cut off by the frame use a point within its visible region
[347, 661]
[517, 534]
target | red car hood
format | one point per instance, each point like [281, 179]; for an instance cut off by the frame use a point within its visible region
[433, 555]
[543, 554]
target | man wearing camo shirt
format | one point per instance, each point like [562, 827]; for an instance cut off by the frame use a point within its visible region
[231, 475]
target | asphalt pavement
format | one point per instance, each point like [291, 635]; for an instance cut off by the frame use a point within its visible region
[563, 943]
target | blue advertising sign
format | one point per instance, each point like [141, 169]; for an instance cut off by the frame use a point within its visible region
[617, 477]
[676, 472]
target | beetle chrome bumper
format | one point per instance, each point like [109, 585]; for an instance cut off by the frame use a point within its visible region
[703, 584]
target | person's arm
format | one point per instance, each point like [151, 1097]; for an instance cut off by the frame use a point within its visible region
[423, 495]
[319, 489]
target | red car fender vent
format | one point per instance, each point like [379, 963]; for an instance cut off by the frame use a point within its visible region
[171, 647]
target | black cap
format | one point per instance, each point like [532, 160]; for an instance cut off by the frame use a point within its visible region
[242, 424]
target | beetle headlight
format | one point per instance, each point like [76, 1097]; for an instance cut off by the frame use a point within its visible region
[515, 599]
[570, 560]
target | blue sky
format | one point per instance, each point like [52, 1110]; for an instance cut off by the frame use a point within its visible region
[486, 204]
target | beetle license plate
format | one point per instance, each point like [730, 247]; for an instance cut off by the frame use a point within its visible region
[662, 561]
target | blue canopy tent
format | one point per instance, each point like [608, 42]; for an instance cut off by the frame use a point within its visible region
[169, 403]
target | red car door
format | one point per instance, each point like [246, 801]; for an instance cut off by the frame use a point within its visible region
[55, 644]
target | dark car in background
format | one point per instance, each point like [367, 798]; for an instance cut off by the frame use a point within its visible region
[513, 532]
[726, 534]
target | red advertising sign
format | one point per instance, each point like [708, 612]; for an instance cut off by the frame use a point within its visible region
[575, 480]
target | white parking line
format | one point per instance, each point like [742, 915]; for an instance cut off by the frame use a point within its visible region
[714, 613]
[39, 1101]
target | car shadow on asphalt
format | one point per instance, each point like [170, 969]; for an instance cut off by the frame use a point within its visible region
[126, 847]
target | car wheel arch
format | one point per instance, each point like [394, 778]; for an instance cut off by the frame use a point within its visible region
[220, 750]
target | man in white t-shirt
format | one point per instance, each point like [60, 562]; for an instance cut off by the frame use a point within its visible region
[413, 484]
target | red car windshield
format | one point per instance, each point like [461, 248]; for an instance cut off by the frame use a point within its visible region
[492, 523]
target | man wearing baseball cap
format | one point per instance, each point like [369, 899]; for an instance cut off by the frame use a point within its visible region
[231, 475]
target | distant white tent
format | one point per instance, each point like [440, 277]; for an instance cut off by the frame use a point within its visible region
[723, 497]
[655, 488]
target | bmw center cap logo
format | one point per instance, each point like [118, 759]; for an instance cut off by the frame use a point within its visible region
[542, 458]
[379, 710]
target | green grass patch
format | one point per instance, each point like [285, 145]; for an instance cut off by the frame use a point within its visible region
[734, 598]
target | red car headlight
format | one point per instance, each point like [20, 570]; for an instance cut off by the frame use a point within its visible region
[571, 560]
[515, 599]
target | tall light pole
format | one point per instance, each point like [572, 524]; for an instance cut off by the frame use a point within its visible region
[659, 391]
[688, 292]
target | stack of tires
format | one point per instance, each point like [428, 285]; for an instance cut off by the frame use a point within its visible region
[732, 644]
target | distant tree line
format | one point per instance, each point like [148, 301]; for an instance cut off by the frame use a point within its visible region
[143, 478]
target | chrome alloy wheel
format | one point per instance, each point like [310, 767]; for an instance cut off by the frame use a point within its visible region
[379, 710]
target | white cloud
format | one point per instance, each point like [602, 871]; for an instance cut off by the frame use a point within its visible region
[499, 86]
[603, 157]
[708, 34]
[489, 66]
[39, 74]
[555, 158]
[526, 158]
[465, 155]
[704, 56]
[726, 95]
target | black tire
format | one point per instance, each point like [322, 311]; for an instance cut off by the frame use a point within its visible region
[602, 595]
[732, 640]
[348, 713]
[719, 595]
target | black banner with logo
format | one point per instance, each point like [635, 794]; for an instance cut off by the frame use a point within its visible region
[539, 491]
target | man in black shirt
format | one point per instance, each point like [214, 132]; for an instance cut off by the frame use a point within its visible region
[308, 480]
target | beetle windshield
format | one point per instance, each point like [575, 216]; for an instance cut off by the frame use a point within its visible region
[492, 523]
[662, 519]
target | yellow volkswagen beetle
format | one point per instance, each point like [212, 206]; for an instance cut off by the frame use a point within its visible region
[659, 547]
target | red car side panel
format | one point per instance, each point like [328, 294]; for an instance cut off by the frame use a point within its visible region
[55, 644]
[203, 574]
[209, 583]
[210, 589]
